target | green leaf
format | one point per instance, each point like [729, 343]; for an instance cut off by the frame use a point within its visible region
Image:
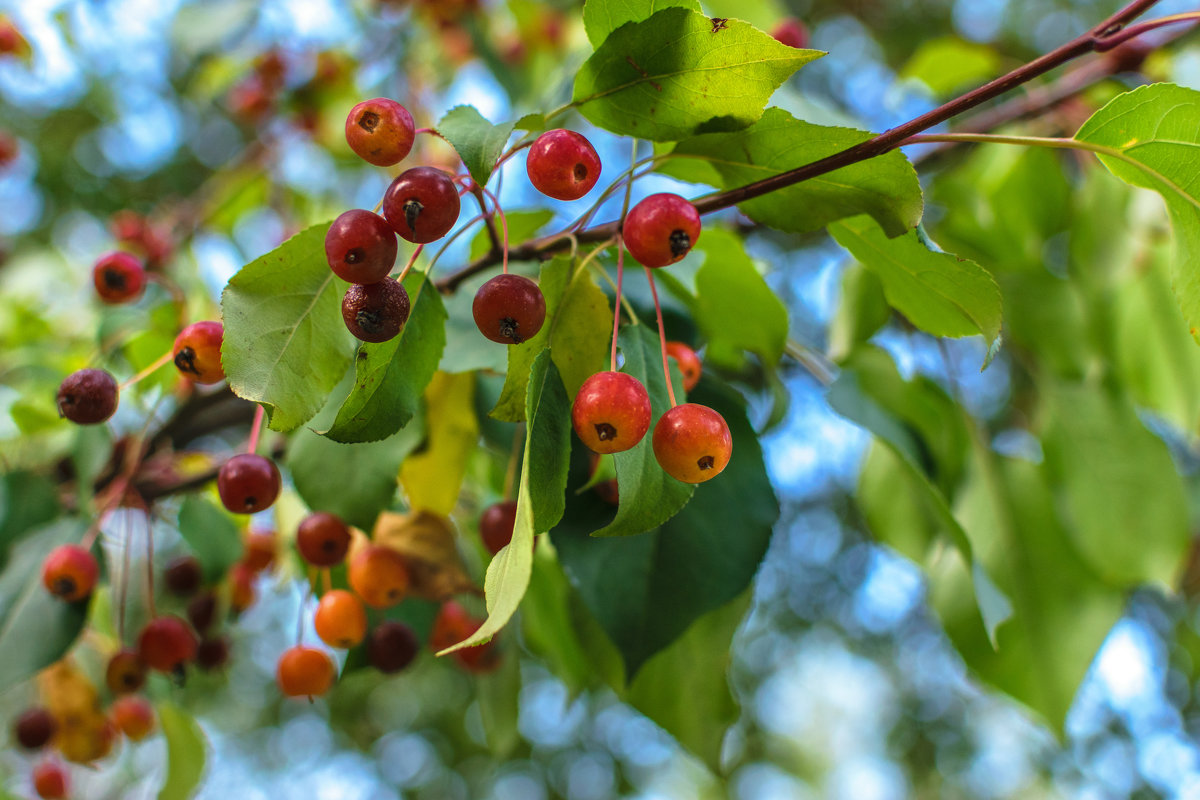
[285, 345]
[950, 63]
[862, 310]
[886, 187]
[479, 143]
[676, 74]
[1152, 141]
[26, 501]
[540, 498]
[649, 496]
[36, 628]
[211, 534]
[602, 17]
[645, 591]
[547, 625]
[187, 751]
[390, 377]
[939, 293]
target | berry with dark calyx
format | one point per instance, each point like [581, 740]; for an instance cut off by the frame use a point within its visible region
[212, 653]
[50, 780]
[202, 611]
[563, 164]
[241, 588]
[692, 443]
[34, 729]
[340, 620]
[70, 572]
[360, 247]
[323, 539]
[792, 32]
[379, 575]
[133, 716]
[259, 550]
[166, 644]
[509, 309]
[611, 413]
[198, 351]
[496, 525]
[248, 483]
[421, 205]
[183, 576]
[376, 312]
[688, 361]
[88, 396]
[380, 131]
[661, 229]
[125, 672]
[119, 277]
[391, 647]
[305, 672]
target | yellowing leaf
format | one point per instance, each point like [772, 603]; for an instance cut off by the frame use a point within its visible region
[433, 476]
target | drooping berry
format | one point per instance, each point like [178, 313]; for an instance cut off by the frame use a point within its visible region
[88, 396]
[119, 278]
[198, 351]
[323, 539]
[305, 672]
[133, 716]
[340, 620]
[360, 247]
[509, 309]
[379, 575]
[688, 361]
[563, 164]
[70, 572]
[212, 653]
[661, 229]
[392, 646]
[380, 131]
[792, 32]
[50, 780]
[496, 525]
[421, 205]
[248, 483]
[202, 611]
[611, 413]
[125, 672]
[692, 443]
[166, 644]
[259, 552]
[183, 576]
[34, 729]
[376, 312]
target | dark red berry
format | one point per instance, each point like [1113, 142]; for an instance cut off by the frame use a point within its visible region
[509, 309]
[392, 646]
[50, 780]
[212, 653]
[692, 443]
[119, 277]
[496, 525]
[323, 539]
[376, 312]
[202, 611]
[421, 205]
[360, 247]
[88, 397]
[611, 412]
[198, 351]
[166, 644]
[35, 728]
[248, 483]
[183, 576]
[563, 164]
[380, 131]
[661, 229]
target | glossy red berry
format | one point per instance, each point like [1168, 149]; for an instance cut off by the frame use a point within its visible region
[496, 525]
[392, 646]
[50, 780]
[792, 32]
[166, 644]
[376, 312]
[70, 572]
[689, 363]
[119, 278]
[198, 351]
[248, 483]
[133, 716]
[88, 397]
[509, 309]
[305, 672]
[421, 205]
[379, 575]
[692, 443]
[661, 229]
[611, 413]
[125, 672]
[360, 247]
[34, 729]
[340, 619]
[212, 653]
[183, 576]
[563, 164]
[380, 131]
[323, 539]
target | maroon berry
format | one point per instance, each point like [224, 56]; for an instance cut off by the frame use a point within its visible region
[125, 672]
[183, 576]
[202, 611]
[212, 653]
[563, 164]
[611, 413]
[380, 131]
[496, 525]
[360, 247]
[392, 646]
[198, 351]
[509, 309]
[376, 312]
[248, 483]
[70, 572]
[35, 728]
[119, 278]
[323, 539]
[661, 229]
[166, 644]
[421, 205]
[692, 443]
[88, 397]
[792, 32]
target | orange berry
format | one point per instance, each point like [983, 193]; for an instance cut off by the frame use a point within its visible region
[260, 550]
[304, 672]
[688, 361]
[379, 575]
[70, 572]
[134, 716]
[241, 588]
[198, 351]
[125, 672]
[341, 620]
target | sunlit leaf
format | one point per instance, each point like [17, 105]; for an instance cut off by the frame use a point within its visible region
[602, 17]
[479, 143]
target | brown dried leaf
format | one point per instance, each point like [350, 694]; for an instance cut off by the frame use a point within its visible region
[426, 540]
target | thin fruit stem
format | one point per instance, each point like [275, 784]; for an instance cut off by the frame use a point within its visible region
[503, 227]
[624, 178]
[378, 206]
[477, 190]
[612, 360]
[326, 580]
[662, 336]
[411, 260]
[159, 363]
[450, 240]
[629, 183]
[260, 414]
[629, 312]
[512, 151]
[514, 458]
[1133, 31]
